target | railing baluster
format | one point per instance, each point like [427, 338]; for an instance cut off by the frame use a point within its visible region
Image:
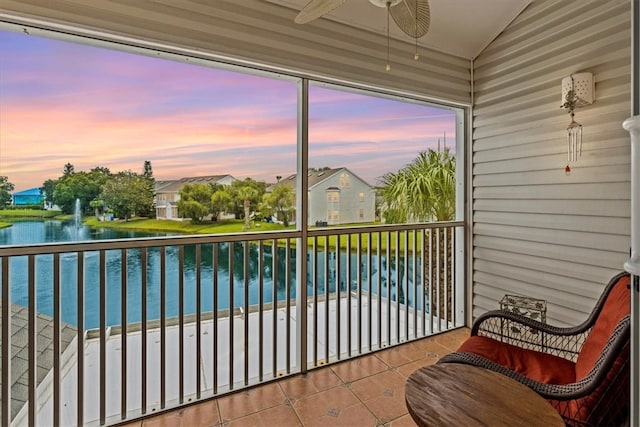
[452, 264]
[414, 277]
[6, 343]
[80, 339]
[369, 292]
[33, 335]
[274, 270]
[198, 354]
[287, 284]
[388, 271]
[103, 335]
[398, 287]
[260, 310]
[246, 311]
[56, 339]
[123, 334]
[438, 281]
[163, 328]
[143, 330]
[446, 281]
[429, 271]
[338, 308]
[214, 307]
[315, 301]
[406, 285]
[423, 282]
[348, 289]
[359, 287]
[231, 312]
[327, 256]
[181, 323]
[378, 255]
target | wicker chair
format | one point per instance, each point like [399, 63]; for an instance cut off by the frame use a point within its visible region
[583, 371]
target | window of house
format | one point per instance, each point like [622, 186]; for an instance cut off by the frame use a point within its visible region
[333, 196]
[361, 196]
[345, 180]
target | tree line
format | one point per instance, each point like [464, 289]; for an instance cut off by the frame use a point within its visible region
[423, 190]
[124, 194]
[241, 198]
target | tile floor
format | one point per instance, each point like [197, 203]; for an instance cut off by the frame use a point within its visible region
[366, 391]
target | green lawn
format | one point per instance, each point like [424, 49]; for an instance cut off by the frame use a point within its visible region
[219, 227]
[237, 226]
[186, 227]
[10, 214]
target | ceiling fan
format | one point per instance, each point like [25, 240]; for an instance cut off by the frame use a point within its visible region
[411, 16]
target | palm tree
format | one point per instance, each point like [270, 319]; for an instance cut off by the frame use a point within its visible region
[423, 191]
[245, 194]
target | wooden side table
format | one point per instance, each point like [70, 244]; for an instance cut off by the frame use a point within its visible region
[455, 394]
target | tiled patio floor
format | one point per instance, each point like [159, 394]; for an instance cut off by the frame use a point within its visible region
[366, 391]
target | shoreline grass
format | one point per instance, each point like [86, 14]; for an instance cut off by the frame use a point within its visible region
[185, 227]
[7, 217]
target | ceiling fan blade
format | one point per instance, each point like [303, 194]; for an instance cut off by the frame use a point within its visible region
[413, 17]
[315, 9]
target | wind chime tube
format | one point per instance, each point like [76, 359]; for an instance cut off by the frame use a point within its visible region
[574, 140]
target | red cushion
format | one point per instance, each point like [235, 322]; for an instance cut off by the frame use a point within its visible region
[542, 367]
[615, 308]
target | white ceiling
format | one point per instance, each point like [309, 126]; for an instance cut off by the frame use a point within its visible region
[459, 27]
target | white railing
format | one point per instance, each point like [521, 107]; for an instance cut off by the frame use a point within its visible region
[105, 331]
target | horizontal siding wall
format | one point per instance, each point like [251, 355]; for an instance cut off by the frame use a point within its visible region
[538, 231]
[265, 33]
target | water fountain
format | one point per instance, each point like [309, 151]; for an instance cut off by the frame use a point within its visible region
[75, 229]
[77, 215]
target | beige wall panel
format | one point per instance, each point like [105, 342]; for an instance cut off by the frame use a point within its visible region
[608, 225]
[537, 230]
[588, 256]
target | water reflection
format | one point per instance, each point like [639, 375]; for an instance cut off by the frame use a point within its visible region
[54, 231]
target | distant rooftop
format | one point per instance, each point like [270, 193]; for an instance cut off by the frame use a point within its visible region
[29, 192]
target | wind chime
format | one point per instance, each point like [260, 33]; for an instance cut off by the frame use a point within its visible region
[577, 91]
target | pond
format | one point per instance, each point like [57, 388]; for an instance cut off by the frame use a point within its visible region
[57, 231]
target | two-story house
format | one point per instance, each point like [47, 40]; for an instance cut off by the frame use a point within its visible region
[337, 196]
[167, 193]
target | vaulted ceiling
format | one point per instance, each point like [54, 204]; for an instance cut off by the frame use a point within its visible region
[459, 27]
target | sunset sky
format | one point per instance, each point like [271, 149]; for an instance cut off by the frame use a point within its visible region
[63, 102]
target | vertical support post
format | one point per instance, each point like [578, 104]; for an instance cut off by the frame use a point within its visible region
[5, 419]
[632, 125]
[301, 221]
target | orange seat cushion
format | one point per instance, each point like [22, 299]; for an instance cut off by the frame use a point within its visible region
[617, 306]
[542, 367]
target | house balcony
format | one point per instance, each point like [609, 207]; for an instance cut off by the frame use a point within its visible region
[111, 331]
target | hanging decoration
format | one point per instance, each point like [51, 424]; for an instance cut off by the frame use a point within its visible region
[577, 91]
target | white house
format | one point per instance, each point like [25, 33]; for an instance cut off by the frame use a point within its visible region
[338, 196]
